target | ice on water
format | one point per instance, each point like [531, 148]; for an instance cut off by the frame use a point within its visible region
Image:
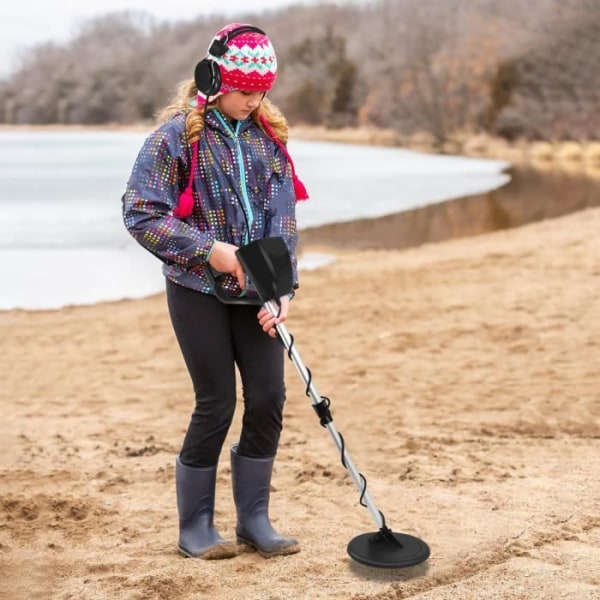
[63, 241]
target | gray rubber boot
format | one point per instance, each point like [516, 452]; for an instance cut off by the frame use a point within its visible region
[251, 479]
[196, 502]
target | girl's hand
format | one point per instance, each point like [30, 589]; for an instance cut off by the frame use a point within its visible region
[223, 259]
[267, 321]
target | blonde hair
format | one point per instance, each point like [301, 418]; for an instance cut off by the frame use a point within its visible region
[186, 94]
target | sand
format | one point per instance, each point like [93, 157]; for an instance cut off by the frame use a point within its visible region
[463, 375]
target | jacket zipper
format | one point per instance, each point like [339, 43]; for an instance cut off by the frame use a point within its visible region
[245, 206]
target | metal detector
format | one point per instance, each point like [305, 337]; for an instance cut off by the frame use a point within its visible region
[268, 264]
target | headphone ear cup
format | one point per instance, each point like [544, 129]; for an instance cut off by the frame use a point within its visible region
[207, 76]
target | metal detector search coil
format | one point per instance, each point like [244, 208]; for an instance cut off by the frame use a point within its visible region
[268, 264]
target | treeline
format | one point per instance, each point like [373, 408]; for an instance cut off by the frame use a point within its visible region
[514, 69]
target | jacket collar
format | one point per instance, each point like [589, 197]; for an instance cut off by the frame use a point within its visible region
[218, 121]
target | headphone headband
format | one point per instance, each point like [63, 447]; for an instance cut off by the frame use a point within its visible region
[219, 46]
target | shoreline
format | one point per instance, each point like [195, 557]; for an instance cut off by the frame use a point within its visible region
[581, 155]
[527, 198]
[551, 194]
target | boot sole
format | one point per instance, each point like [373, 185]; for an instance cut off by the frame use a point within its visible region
[217, 552]
[248, 546]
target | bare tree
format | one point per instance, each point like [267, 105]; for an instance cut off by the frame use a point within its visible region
[411, 65]
[324, 81]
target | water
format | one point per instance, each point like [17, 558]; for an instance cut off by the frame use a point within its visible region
[531, 195]
[62, 240]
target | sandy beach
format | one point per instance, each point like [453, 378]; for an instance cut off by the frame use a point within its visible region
[465, 379]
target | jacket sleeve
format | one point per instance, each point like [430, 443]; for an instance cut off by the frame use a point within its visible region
[151, 195]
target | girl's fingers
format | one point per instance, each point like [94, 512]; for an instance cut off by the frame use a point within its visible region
[239, 274]
[268, 322]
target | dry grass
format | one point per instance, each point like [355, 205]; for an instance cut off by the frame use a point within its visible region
[591, 153]
[355, 135]
[541, 152]
[567, 155]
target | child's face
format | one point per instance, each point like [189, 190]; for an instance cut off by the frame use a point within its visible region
[238, 105]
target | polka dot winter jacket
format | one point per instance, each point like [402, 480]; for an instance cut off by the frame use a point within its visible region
[242, 190]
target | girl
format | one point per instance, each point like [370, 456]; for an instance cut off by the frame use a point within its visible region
[213, 177]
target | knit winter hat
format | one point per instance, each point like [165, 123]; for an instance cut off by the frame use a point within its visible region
[248, 63]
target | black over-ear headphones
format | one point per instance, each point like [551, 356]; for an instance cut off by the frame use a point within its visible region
[208, 73]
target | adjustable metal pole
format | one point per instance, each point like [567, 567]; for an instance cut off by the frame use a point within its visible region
[317, 399]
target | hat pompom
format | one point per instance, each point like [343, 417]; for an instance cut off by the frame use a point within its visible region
[185, 206]
[299, 189]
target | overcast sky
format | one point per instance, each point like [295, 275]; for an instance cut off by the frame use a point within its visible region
[26, 23]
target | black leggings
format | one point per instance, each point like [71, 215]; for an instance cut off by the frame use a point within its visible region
[213, 338]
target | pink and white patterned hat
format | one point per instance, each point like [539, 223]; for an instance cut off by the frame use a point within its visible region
[249, 62]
